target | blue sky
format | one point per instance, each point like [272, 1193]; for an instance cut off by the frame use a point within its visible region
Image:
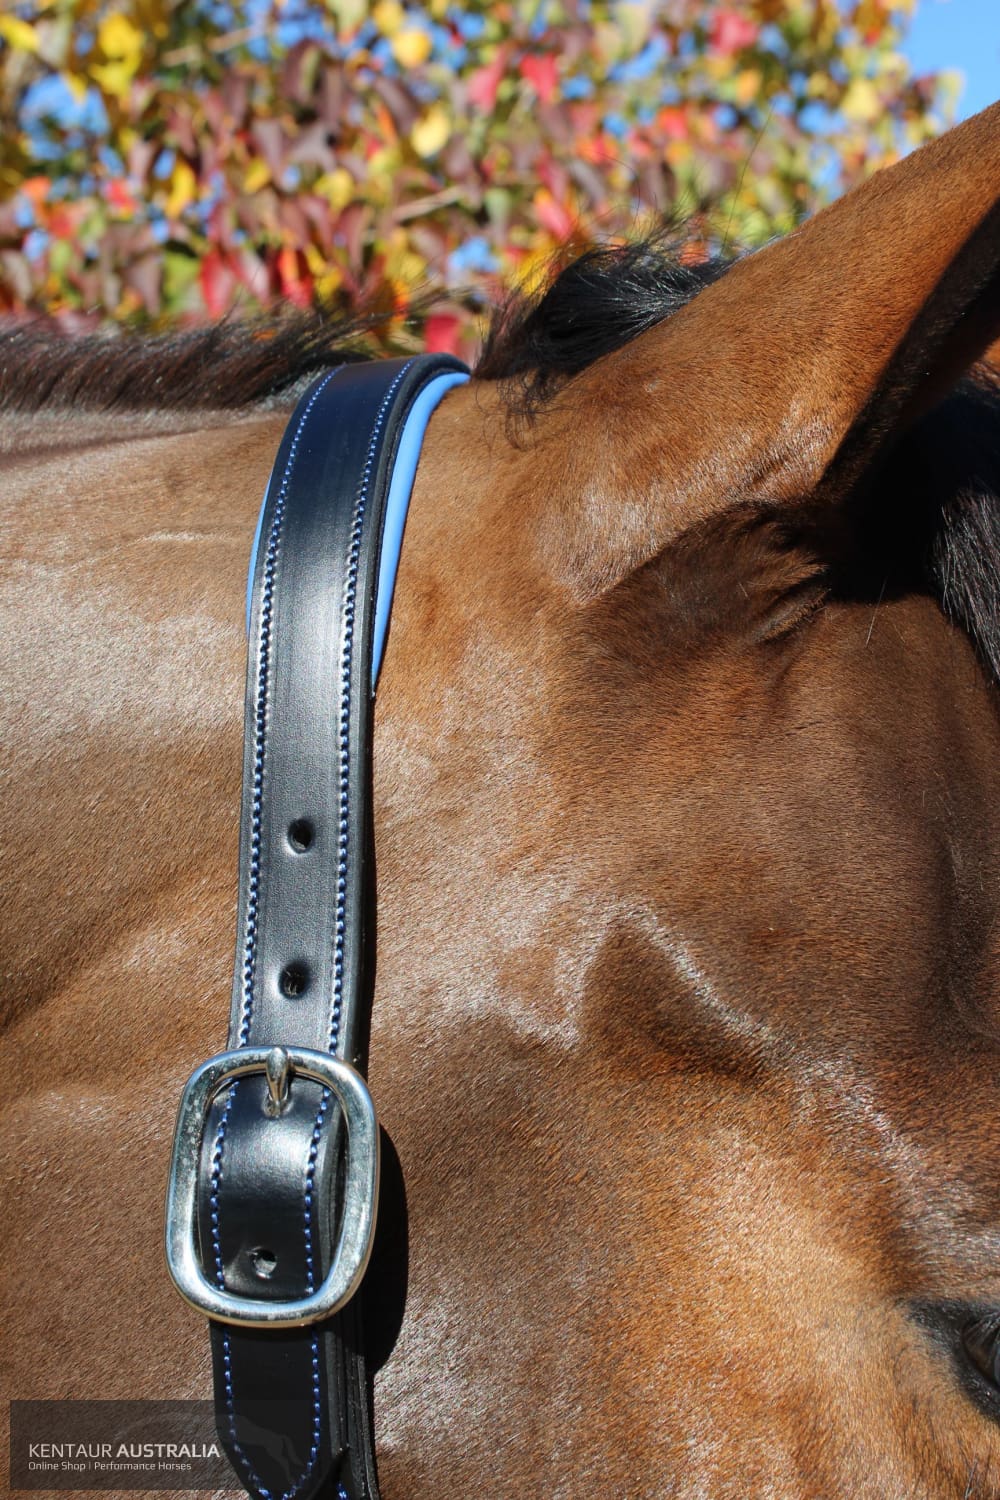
[963, 35]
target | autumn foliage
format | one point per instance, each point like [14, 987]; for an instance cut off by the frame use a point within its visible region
[162, 161]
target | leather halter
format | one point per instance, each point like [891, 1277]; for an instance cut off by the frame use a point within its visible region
[271, 1206]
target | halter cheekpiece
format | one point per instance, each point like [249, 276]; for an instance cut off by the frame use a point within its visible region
[274, 1183]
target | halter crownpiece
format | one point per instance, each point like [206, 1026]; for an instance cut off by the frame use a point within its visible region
[274, 1182]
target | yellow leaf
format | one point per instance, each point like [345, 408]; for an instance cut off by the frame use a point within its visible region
[381, 164]
[76, 84]
[402, 263]
[348, 14]
[430, 134]
[411, 47]
[399, 294]
[820, 85]
[678, 152]
[635, 21]
[747, 85]
[861, 102]
[315, 259]
[256, 176]
[118, 37]
[388, 16]
[327, 285]
[609, 42]
[18, 34]
[893, 65]
[114, 78]
[535, 268]
[337, 187]
[183, 189]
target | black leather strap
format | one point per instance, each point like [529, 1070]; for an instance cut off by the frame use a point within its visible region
[294, 1406]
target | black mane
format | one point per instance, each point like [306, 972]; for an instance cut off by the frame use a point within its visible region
[600, 301]
[944, 480]
[938, 527]
[228, 365]
[596, 303]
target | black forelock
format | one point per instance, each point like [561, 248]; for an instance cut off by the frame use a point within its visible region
[599, 301]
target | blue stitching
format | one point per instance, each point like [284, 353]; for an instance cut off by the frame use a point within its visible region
[251, 1472]
[310, 1179]
[342, 884]
[250, 961]
[260, 727]
[214, 1195]
[227, 1361]
[360, 503]
[250, 942]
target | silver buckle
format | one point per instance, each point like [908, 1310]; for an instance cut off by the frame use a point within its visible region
[360, 1184]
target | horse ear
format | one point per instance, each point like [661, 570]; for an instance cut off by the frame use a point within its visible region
[787, 378]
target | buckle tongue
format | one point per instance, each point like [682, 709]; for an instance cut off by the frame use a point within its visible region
[276, 1070]
[279, 1065]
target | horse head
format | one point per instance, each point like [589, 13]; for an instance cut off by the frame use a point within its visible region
[687, 774]
[687, 781]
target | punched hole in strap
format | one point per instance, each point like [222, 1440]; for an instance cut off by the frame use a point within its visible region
[301, 834]
[294, 980]
[264, 1262]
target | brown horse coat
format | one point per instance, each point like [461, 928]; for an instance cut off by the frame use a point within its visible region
[688, 819]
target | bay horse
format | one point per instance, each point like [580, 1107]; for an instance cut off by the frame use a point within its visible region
[687, 1024]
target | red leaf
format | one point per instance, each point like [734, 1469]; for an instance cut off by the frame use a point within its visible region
[540, 70]
[119, 196]
[730, 32]
[482, 85]
[217, 283]
[673, 122]
[295, 285]
[441, 333]
[64, 221]
[36, 189]
[553, 216]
